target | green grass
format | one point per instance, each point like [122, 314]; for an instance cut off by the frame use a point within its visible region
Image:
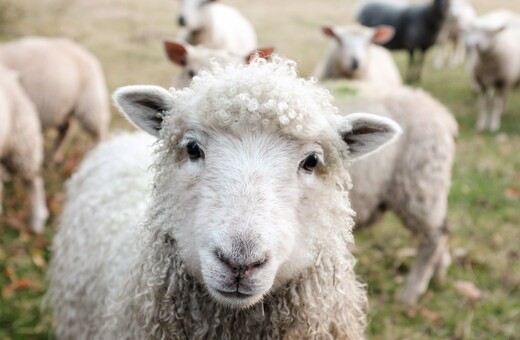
[484, 209]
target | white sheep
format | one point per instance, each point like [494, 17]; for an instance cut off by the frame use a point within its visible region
[495, 40]
[216, 25]
[244, 232]
[64, 81]
[21, 144]
[411, 177]
[355, 55]
[450, 41]
[192, 59]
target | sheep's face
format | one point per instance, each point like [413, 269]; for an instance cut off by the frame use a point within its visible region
[353, 44]
[481, 36]
[250, 198]
[192, 14]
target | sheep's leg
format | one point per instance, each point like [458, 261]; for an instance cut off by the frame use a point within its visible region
[411, 64]
[432, 257]
[1, 189]
[441, 52]
[499, 104]
[459, 52]
[39, 212]
[56, 154]
[485, 100]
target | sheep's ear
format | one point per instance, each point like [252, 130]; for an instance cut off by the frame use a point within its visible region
[367, 133]
[176, 52]
[383, 34]
[329, 31]
[264, 53]
[144, 106]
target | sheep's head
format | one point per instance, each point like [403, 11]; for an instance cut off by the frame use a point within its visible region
[251, 167]
[192, 13]
[193, 59]
[480, 35]
[353, 43]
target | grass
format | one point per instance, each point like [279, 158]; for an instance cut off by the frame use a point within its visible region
[484, 210]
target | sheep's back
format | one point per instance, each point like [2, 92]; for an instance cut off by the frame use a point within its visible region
[105, 200]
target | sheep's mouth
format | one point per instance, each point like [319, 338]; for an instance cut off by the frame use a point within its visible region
[234, 295]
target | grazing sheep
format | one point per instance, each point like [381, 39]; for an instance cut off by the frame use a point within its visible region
[63, 81]
[416, 28]
[410, 177]
[246, 228]
[355, 57]
[217, 26]
[194, 58]
[21, 144]
[495, 40]
[450, 41]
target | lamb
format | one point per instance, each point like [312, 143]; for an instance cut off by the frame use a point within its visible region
[355, 57]
[450, 41]
[416, 28]
[495, 40]
[411, 177]
[233, 239]
[194, 58]
[63, 80]
[21, 145]
[215, 25]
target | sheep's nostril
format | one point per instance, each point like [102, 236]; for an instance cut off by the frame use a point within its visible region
[181, 21]
[355, 64]
[239, 269]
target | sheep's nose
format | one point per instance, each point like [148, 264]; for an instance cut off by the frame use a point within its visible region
[240, 269]
[181, 21]
[355, 64]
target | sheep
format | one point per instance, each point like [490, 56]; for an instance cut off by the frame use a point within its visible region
[450, 41]
[215, 25]
[416, 28]
[411, 177]
[495, 40]
[21, 145]
[63, 80]
[194, 58]
[245, 229]
[355, 57]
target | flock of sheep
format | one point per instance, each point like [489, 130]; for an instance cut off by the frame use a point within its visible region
[231, 214]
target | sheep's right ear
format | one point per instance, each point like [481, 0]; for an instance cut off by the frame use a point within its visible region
[366, 133]
[176, 52]
[144, 106]
[264, 53]
[329, 31]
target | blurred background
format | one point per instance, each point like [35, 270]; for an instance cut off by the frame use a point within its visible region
[481, 297]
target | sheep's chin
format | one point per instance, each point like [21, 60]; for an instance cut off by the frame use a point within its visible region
[235, 300]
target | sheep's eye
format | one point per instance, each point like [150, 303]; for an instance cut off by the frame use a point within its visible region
[194, 151]
[191, 73]
[310, 163]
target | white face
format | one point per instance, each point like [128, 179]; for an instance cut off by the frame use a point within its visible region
[191, 13]
[353, 49]
[244, 193]
[480, 38]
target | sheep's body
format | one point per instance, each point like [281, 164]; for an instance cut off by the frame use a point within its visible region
[450, 40]
[411, 177]
[217, 26]
[416, 28]
[495, 40]
[357, 58]
[63, 80]
[21, 144]
[155, 261]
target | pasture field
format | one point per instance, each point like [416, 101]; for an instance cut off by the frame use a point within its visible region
[481, 296]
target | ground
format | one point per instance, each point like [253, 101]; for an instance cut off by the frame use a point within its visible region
[481, 296]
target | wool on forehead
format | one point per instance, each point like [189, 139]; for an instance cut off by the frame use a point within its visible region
[261, 94]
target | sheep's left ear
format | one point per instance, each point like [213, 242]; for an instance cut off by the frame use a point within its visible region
[367, 133]
[383, 34]
[263, 52]
[144, 106]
